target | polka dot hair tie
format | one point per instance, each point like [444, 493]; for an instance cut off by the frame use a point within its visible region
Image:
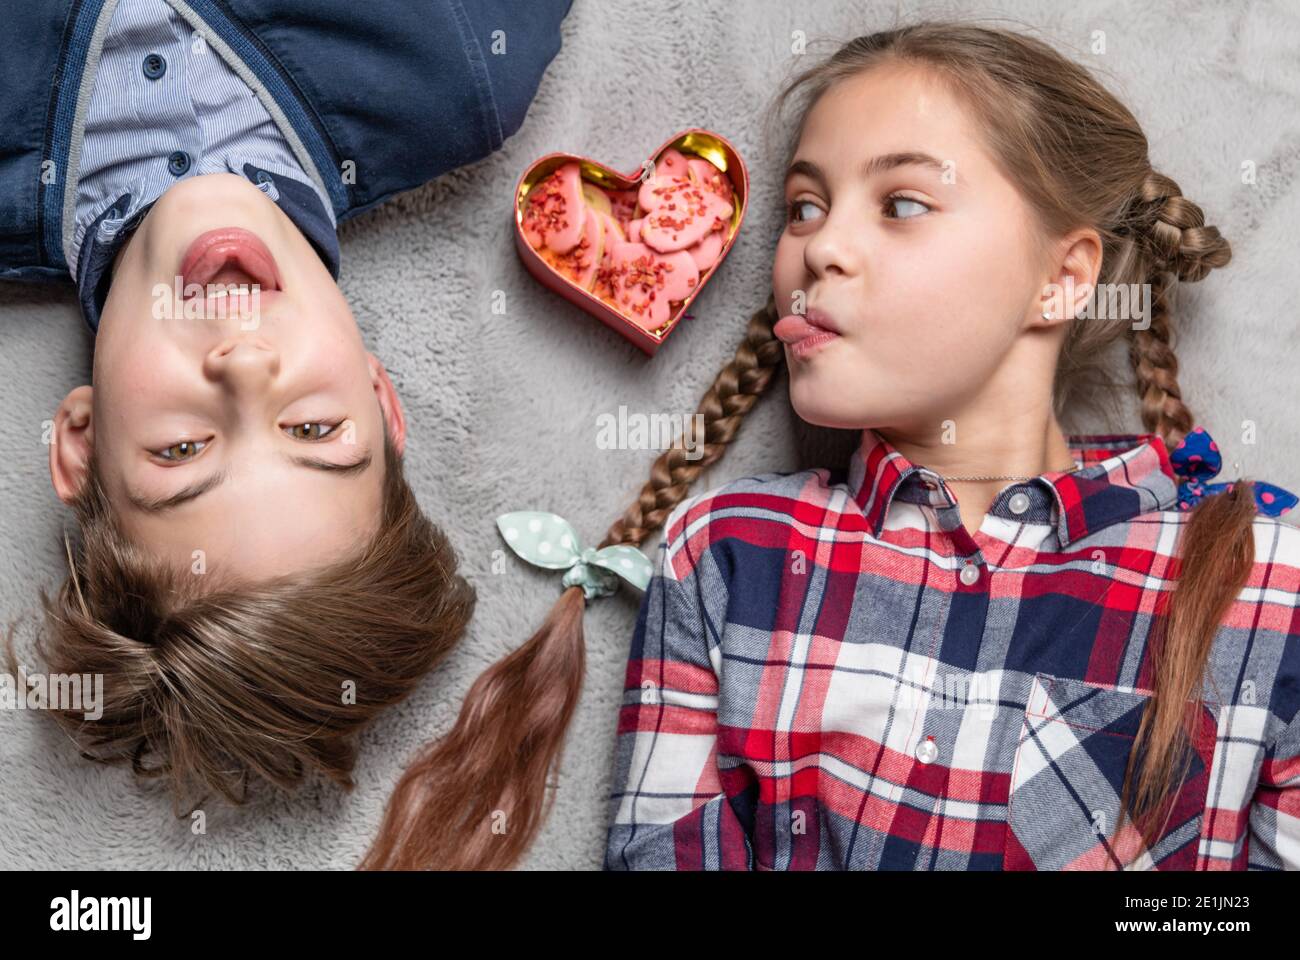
[547, 540]
[1197, 458]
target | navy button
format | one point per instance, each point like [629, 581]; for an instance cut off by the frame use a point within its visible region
[178, 163]
[263, 177]
[154, 66]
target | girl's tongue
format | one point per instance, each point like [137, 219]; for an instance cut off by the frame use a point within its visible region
[795, 327]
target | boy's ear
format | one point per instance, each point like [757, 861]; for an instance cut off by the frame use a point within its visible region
[71, 443]
[389, 403]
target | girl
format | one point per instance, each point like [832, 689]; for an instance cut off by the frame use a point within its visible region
[255, 579]
[981, 644]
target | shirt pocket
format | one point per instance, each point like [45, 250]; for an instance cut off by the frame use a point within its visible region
[1067, 775]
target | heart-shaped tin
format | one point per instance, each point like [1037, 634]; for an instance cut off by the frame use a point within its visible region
[634, 250]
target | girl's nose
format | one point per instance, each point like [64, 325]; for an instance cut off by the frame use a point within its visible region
[832, 249]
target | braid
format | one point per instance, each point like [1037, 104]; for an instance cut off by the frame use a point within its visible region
[1177, 244]
[733, 394]
[1155, 366]
[509, 737]
[1216, 545]
[1177, 236]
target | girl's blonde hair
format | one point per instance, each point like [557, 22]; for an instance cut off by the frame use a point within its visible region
[215, 686]
[1079, 158]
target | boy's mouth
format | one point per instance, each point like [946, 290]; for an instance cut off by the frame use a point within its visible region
[229, 255]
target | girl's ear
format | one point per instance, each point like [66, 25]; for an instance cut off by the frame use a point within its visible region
[1074, 275]
[71, 442]
[389, 403]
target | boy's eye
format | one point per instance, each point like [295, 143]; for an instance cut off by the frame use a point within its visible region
[794, 208]
[321, 430]
[189, 449]
[895, 199]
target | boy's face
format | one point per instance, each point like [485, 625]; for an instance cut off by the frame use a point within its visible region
[257, 411]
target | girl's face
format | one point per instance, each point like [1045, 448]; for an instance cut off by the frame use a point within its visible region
[909, 241]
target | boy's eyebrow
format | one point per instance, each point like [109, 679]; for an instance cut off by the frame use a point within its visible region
[163, 504]
[886, 161]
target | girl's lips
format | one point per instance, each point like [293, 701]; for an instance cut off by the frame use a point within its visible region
[213, 251]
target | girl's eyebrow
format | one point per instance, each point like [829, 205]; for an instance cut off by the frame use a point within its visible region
[880, 164]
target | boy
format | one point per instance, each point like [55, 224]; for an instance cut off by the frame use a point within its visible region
[255, 579]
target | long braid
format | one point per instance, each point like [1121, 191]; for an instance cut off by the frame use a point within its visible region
[731, 396]
[1216, 545]
[475, 799]
[1181, 246]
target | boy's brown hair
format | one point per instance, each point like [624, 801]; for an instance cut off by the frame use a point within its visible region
[216, 685]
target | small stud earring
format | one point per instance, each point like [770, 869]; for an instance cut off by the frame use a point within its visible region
[1047, 314]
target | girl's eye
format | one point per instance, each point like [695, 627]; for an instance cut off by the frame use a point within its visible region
[186, 450]
[895, 199]
[792, 209]
[320, 430]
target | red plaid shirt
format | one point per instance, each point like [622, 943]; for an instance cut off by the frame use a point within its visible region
[829, 671]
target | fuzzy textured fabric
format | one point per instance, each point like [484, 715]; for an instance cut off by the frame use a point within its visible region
[502, 409]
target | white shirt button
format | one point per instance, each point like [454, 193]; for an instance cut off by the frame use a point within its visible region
[970, 573]
[926, 750]
[1019, 503]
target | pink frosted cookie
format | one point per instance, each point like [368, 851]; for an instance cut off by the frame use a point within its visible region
[705, 253]
[634, 229]
[614, 234]
[710, 177]
[556, 213]
[672, 164]
[679, 212]
[645, 282]
[614, 231]
[581, 261]
[623, 204]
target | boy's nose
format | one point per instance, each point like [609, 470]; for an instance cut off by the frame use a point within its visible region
[242, 359]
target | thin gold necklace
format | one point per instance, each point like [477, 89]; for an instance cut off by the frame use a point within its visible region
[1072, 466]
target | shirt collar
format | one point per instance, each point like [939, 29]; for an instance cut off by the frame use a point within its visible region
[1122, 475]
